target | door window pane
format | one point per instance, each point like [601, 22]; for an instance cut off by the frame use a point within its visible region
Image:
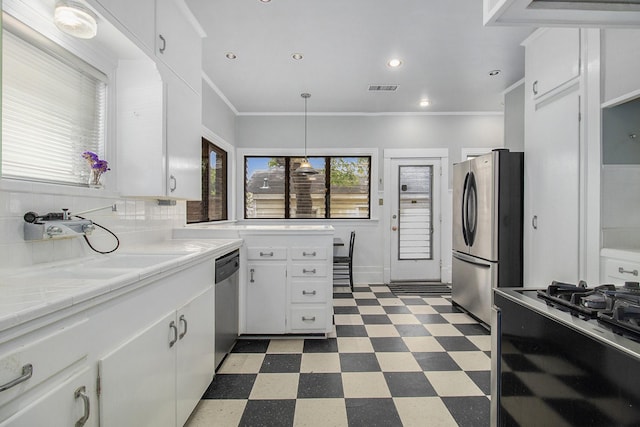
[264, 187]
[416, 213]
[349, 191]
[307, 192]
[213, 206]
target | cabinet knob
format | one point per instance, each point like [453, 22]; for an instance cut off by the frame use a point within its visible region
[623, 271]
[312, 271]
[309, 253]
[308, 319]
[251, 271]
[174, 328]
[534, 222]
[308, 293]
[266, 254]
[164, 43]
[184, 321]
[534, 87]
[27, 372]
[173, 183]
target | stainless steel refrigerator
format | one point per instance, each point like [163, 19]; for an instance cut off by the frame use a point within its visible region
[487, 229]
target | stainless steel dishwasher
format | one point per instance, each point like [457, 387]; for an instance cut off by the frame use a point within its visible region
[227, 301]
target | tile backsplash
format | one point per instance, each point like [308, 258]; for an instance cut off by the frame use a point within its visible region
[135, 222]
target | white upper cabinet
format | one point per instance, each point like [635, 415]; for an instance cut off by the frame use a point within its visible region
[561, 13]
[136, 17]
[552, 59]
[178, 44]
[620, 65]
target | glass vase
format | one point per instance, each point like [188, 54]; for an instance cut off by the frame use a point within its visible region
[94, 179]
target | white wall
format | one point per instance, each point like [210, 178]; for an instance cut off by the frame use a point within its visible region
[216, 114]
[377, 132]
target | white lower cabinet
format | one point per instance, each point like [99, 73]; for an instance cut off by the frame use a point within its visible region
[288, 288]
[66, 404]
[266, 303]
[158, 375]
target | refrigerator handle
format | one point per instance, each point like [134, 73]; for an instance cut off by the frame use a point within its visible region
[472, 207]
[471, 260]
[464, 209]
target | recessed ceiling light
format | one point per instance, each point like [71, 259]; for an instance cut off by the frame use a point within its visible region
[265, 1]
[494, 72]
[297, 56]
[394, 63]
[424, 103]
[230, 55]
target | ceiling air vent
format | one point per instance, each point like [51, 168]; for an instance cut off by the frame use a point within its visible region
[383, 88]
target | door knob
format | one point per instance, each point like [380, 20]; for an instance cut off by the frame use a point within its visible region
[394, 228]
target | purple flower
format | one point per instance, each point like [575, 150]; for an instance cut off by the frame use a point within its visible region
[98, 166]
[90, 156]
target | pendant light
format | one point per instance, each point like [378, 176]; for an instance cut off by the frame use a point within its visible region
[74, 18]
[305, 167]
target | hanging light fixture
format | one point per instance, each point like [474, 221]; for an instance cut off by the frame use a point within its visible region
[74, 18]
[305, 167]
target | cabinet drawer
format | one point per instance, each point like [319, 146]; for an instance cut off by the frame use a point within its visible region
[620, 271]
[308, 270]
[308, 291]
[308, 318]
[43, 357]
[308, 253]
[266, 253]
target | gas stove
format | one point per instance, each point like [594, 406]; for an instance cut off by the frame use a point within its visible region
[614, 307]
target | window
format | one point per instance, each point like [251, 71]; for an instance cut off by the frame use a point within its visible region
[213, 206]
[273, 189]
[53, 108]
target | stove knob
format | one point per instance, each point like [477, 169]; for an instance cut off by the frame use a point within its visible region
[631, 285]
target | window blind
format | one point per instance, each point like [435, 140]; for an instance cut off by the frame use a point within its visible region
[53, 110]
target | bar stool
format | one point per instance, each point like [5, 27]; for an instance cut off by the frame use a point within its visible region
[343, 265]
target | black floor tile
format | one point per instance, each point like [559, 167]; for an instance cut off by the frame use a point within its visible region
[469, 411]
[388, 344]
[368, 301]
[488, 353]
[412, 331]
[384, 295]
[372, 412]
[329, 345]
[472, 329]
[414, 301]
[482, 380]
[342, 295]
[396, 309]
[351, 331]
[376, 319]
[357, 288]
[268, 413]
[250, 346]
[456, 344]
[320, 386]
[359, 362]
[230, 386]
[436, 361]
[447, 309]
[346, 310]
[427, 319]
[409, 384]
[281, 363]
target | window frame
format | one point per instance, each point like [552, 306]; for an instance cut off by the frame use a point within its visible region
[371, 154]
[203, 205]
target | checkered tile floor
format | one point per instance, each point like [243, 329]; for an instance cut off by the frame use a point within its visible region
[409, 361]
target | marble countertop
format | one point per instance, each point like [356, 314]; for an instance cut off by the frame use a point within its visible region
[39, 290]
[203, 231]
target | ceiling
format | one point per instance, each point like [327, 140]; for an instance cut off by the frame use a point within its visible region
[446, 55]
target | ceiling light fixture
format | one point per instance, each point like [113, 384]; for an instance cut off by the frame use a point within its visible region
[76, 19]
[230, 55]
[394, 63]
[494, 72]
[424, 103]
[265, 1]
[297, 56]
[305, 167]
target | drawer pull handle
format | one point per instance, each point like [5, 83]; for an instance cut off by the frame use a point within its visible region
[183, 320]
[27, 372]
[253, 270]
[308, 319]
[164, 44]
[309, 253]
[82, 394]
[623, 271]
[308, 293]
[266, 253]
[312, 271]
[174, 328]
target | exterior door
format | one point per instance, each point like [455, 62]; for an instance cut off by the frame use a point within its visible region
[415, 220]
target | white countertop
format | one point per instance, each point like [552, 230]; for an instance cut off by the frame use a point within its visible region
[29, 293]
[204, 231]
[625, 254]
